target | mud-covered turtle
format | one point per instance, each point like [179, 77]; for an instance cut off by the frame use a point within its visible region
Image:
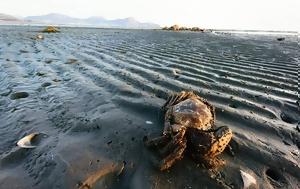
[189, 127]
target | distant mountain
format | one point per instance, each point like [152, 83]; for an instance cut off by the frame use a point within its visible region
[95, 20]
[132, 23]
[60, 19]
[6, 17]
[53, 19]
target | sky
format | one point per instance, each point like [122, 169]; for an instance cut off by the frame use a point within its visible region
[283, 15]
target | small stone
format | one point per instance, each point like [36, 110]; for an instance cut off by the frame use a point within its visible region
[108, 143]
[47, 84]
[40, 74]
[48, 61]
[23, 51]
[72, 61]
[19, 95]
[56, 80]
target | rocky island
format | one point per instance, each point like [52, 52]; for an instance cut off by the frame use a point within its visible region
[183, 28]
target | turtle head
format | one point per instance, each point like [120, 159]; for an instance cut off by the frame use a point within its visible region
[222, 136]
[223, 132]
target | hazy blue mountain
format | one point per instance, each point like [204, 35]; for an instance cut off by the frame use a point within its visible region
[61, 19]
[95, 20]
[6, 17]
[128, 23]
[54, 19]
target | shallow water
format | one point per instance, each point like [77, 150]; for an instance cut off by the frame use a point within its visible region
[93, 92]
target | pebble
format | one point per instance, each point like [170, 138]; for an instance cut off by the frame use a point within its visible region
[47, 84]
[18, 95]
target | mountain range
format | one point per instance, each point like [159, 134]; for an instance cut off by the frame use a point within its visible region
[60, 19]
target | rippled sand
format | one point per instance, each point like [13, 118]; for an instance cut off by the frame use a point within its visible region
[96, 93]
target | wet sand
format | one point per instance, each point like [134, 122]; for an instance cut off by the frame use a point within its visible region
[96, 93]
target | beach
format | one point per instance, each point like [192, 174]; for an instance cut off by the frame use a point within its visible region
[96, 93]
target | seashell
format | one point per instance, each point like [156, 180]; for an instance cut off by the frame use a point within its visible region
[149, 122]
[248, 179]
[25, 142]
[112, 168]
[176, 72]
[40, 36]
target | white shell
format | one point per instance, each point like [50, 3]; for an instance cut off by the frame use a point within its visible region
[248, 179]
[40, 36]
[92, 180]
[25, 142]
[176, 72]
[149, 122]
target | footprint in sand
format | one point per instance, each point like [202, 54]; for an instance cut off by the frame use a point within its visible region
[276, 178]
[288, 119]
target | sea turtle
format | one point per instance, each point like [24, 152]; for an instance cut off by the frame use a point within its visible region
[189, 127]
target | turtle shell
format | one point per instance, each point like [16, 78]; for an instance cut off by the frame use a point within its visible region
[194, 113]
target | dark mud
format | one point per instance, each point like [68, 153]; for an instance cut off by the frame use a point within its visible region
[97, 92]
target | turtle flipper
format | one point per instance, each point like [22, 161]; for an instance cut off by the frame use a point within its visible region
[205, 145]
[158, 141]
[174, 150]
[175, 155]
[222, 136]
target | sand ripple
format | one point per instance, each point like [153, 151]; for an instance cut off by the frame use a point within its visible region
[92, 91]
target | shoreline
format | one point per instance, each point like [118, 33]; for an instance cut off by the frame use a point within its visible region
[234, 31]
